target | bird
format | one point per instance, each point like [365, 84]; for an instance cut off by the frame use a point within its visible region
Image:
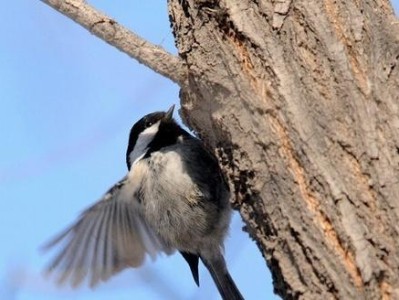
[173, 198]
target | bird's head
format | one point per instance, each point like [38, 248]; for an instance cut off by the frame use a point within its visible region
[151, 133]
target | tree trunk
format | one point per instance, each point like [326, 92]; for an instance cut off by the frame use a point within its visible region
[300, 100]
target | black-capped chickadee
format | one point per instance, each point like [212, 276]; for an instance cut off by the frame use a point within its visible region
[174, 197]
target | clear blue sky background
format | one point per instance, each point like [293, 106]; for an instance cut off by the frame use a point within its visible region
[67, 102]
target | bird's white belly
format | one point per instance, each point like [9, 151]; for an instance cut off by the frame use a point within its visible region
[171, 201]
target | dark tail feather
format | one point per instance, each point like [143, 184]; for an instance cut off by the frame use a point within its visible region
[225, 284]
[192, 260]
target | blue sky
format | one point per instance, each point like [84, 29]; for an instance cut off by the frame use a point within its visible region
[68, 101]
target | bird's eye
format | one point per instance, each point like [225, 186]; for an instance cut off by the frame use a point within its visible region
[148, 123]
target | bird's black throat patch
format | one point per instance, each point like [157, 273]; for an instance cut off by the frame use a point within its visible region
[168, 133]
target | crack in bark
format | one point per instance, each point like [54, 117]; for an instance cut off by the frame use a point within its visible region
[281, 10]
[320, 276]
[392, 66]
[363, 179]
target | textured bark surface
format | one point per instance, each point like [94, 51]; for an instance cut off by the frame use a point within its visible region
[300, 99]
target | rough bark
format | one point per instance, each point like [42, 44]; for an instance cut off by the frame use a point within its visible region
[300, 100]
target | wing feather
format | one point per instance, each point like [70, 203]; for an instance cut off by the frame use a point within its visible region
[108, 237]
[98, 251]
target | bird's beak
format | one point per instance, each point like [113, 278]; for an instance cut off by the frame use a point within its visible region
[169, 113]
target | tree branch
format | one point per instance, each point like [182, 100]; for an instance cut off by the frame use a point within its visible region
[154, 57]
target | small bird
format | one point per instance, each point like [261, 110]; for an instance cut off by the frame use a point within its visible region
[174, 197]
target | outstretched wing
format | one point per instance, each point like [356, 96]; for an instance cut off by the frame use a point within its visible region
[109, 236]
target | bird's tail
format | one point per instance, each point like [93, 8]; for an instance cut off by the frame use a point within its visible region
[225, 284]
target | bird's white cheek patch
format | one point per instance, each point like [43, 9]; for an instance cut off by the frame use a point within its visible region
[142, 143]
